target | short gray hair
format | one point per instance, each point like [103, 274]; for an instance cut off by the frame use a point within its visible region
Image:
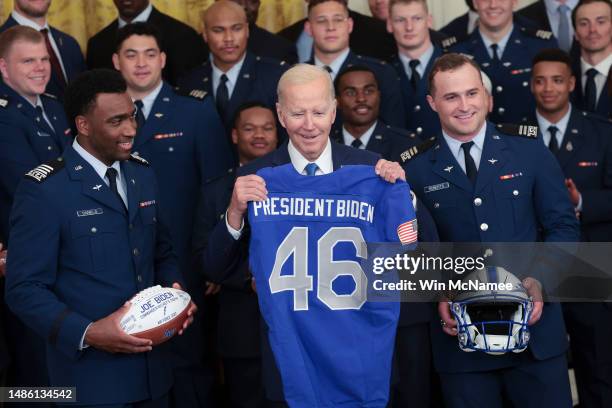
[301, 74]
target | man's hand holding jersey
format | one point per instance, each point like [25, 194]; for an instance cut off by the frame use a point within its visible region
[253, 188]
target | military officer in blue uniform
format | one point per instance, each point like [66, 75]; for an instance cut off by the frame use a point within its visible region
[581, 143]
[593, 66]
[483, 184]
[184, 140]
[358, 99]
[238, 337]
[409, 21]
[330, 26]
[93, 216]
[33, 126]
[233, 75]
[64, 51]
[33, 130]
[504, 50]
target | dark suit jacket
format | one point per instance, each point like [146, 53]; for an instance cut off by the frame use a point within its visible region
[266, 44]
[238, 320]
[70, 54]
[183, 45]
[604, 103]
[369, 36]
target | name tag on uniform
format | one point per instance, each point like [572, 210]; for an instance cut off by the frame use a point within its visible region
[587, 164]
[436, 187]
[43, 134]
[144, 204]
[87, 213]
[167, 135]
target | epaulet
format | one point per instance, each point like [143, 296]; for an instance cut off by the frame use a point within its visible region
[4, 102]
[528, 131]
[197, 94]
[371, 59]
[398, 131]
[418, 149]
[596, 117]
[48, 95]
[219, 177]
[42, 172]
[533, 32]
[138, 160]
[446, 43]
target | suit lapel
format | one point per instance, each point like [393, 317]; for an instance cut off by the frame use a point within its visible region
[133, 190]
[572, 141]
[242, 90]
[446, 166]
[91, 183]
[157, 116]
[377, 142]
[491, 160]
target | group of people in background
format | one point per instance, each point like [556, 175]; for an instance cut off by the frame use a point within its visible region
[132, 166]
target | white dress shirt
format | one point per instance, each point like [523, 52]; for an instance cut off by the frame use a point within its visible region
[476, 150]
[336, 64]
[140, 18]
[364, 139]
[324, 163]
[423, 61]
[149, 100]
[603, 68]
[231, 74]
[24, 21]
[544, 124]
[100, 168]
[501, 44]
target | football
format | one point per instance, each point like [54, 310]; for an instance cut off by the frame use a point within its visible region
[156, 313]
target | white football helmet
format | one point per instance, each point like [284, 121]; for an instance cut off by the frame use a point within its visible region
[490, 320]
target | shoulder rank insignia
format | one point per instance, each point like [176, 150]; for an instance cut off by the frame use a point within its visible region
[198, 93]
[3, 102]
[449, 41]
[542, 34]
[416, 150]
[528, 131]
[138, 160]
[40, 173]
[50, 95]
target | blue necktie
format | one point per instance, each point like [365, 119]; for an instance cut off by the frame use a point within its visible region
[311, 169]
[564, 29]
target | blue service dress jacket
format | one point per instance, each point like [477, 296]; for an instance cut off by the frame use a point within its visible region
[77, 256]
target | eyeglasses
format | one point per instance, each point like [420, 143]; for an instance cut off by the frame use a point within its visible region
[334, 21]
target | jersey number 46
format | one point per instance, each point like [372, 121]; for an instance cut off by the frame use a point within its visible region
[296, 244]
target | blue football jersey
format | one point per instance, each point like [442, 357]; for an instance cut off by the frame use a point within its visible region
[332, 346]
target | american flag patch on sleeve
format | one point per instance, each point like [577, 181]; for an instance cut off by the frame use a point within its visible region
[408, 232]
